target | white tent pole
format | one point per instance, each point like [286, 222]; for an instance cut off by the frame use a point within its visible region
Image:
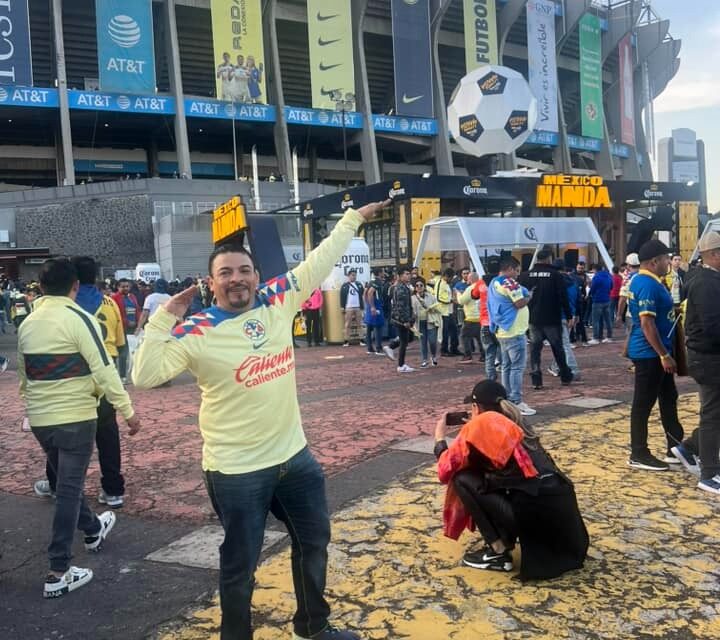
[599, 243]
[472, 249]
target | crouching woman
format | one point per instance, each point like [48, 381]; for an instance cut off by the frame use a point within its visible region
[501, 480]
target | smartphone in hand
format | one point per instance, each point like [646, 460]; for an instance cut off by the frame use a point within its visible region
[456, 418]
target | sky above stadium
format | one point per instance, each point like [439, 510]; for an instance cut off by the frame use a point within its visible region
[692, 99]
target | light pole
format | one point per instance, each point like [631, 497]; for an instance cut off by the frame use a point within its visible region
[342, 106]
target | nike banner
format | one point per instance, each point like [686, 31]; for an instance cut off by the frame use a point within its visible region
[332, 73]
[237, 29]
[126, 47]
[412, 57]
[481, 46]
[15, 55]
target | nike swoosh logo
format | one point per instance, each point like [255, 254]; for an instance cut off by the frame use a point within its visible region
[325, 92]
[327, 67]
[325, 43]
[407, 100]
[260, 346]
[322, 18]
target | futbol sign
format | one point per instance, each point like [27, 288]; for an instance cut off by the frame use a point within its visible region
[492, 110]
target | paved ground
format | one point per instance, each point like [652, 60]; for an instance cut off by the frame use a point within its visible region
[652, 570]
[370, 429]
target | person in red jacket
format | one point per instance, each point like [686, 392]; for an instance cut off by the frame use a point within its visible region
[130, 312]
[501, 480]
[311, 308]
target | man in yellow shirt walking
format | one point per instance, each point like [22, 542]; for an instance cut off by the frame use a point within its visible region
[255, 456]
[107, 436]
[62, 364]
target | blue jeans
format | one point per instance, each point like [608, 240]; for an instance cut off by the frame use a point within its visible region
[450, 341]
[68, 448]
[294, 492]
[600, 317]
[569, 354]
[378, 331]
[514, 358]
[490, 346]
[429, 337]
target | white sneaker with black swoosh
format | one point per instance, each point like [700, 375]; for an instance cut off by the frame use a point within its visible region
[488, 559]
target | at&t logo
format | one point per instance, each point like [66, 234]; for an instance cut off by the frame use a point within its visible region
[124, 31]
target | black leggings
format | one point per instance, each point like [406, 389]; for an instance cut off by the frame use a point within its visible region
[404, 335]
[491, 511]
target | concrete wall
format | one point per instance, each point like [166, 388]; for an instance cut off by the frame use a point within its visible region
[116, 231]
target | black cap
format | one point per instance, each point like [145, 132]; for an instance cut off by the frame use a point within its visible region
[351, 271]
[652, 249]
[487, 393]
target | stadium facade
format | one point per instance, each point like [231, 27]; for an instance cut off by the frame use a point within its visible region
[328, 92]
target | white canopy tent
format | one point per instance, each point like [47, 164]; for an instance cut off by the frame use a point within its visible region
[712, 225]
[476, 234]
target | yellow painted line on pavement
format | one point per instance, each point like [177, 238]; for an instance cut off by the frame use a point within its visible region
[653, 566]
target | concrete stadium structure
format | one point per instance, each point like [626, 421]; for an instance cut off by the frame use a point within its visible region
[63, 132]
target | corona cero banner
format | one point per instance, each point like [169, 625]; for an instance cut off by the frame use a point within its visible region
[239, 51]
[572, 192]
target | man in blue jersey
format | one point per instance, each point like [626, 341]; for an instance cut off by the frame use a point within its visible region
[650, 349]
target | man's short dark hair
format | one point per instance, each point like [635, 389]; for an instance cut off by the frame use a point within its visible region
[544, 256]
[403, 270]
[616, 270]
[57, 277]
[377, 272]
[86, 269]
[676, 255]
[228, 248]
[509, 263]
[449, 273]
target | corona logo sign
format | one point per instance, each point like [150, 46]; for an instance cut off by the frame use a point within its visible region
[397, 190]
[347, 202]
[475, 188]
[572, 192]
[653, 192]
[228, 219]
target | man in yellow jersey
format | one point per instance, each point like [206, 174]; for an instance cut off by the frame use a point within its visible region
[255, 456]
[63, 365]
[107, 437]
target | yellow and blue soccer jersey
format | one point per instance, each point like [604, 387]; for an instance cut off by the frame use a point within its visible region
[649, 297]
[244, 364]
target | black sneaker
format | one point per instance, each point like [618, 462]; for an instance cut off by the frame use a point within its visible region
[329, 633]
[488, 559]
[648, 462]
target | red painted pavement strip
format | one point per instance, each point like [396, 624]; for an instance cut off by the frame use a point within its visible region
[353, 408]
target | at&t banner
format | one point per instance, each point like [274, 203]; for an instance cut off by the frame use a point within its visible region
[239, 50]
[627, 96]
[126, 49]
[591, 99]
[480, 33]
[332, 73]
[413, 61]
[15, 58]
[541, 62]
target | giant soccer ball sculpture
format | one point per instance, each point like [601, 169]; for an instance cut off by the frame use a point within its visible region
[492, 110]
